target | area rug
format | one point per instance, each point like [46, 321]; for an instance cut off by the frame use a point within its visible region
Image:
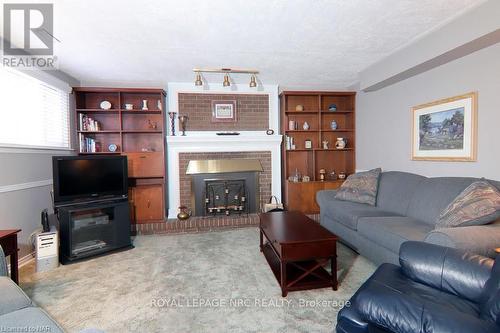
[204, 282]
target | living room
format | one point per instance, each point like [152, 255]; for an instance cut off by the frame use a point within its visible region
[261, 166]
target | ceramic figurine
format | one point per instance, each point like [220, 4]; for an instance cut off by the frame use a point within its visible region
[145, 104]
[342, 175]
[325, 144]
[159, 105]
[306, 179]
[334, 125]
[332, 107]
[322, 173]
[299, 108]
[305, 126]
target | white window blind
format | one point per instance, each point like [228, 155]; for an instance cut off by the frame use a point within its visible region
[32, 113]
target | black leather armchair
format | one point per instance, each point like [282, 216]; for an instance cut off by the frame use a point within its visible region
[436, 290]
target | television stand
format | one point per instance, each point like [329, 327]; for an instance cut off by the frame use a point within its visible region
[93, 229]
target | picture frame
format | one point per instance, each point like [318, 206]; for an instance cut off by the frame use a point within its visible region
[446, 129]
[223, 111]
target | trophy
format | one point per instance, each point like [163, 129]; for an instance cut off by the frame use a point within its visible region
[183, 122]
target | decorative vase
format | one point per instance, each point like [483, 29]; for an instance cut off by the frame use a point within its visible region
[184, 213]
[341, 143]
[334, 125]
[145, 104]
[183, 122]
[305, 126]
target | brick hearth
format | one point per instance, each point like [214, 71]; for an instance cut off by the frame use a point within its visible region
[196, 224]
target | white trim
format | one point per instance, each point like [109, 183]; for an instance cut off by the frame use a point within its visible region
[272, 90]
[25, 186]
[20, 149]
[26, 259]
[22, 261]
[203, 142]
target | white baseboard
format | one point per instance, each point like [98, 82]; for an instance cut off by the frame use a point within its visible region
[24, 260]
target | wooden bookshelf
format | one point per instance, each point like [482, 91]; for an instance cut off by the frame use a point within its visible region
[308, 161]
[138, 134]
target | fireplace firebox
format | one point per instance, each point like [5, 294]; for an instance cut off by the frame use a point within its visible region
[224, 187]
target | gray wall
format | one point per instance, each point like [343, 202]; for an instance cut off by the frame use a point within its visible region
[384, 120]
[20, 208]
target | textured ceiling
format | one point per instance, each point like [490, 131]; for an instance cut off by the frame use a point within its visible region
[296, 44]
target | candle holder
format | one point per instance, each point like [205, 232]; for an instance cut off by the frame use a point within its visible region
[171, 115]
[183, 122]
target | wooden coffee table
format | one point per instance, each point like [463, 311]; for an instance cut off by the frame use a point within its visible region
[296, 249]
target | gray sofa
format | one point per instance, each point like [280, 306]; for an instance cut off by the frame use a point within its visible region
[407, 208]
[17, 311]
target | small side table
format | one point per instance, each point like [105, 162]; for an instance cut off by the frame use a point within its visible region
[8, 241]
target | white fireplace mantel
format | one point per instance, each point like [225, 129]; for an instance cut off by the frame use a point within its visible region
[200, 142]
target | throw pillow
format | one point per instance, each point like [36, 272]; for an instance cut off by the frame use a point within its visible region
[360, 187]
[478, 204]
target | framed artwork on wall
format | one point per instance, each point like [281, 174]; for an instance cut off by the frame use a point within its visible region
[445, 130]
[223, 111]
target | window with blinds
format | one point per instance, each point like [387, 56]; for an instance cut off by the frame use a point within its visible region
[33, 114]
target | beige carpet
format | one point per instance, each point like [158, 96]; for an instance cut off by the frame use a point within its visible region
[206, 282]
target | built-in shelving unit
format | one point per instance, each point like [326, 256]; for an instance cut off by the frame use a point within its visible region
[136, 133]
[309, 161]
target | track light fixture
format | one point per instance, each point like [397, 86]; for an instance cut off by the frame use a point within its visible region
[226, 72]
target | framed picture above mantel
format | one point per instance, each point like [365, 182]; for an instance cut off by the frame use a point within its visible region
[445, 130]
[223, 111]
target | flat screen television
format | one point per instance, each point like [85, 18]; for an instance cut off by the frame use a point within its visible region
[89, 178]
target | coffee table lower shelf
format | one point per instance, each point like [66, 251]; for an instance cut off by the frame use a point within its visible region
[318, 278]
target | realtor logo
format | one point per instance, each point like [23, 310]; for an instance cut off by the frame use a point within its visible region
[28, 40]
[28, 29]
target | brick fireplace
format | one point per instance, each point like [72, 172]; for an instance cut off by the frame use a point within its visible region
[257, 111]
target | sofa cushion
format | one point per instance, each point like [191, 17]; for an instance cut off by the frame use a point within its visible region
[478, 204]
[432, 195]
[396, 189]
[12, 297]
[348, 213]
[392, 231]
[31, 317]
[360, 187]
[392, 301]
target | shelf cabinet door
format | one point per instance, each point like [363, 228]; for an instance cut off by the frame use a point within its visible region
[302, 196]
[148, 203]
[147, 164]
